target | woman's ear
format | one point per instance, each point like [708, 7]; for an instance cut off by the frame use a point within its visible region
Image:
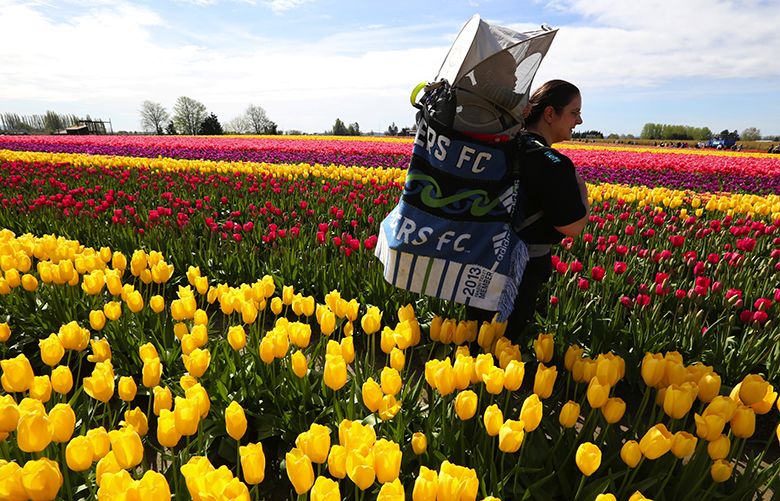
[549, 113]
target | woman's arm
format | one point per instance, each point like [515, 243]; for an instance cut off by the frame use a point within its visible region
[575, 228]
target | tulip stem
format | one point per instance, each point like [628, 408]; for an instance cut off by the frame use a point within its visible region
[668, 476]
[579, 487]
[68, 488]
[642, 406]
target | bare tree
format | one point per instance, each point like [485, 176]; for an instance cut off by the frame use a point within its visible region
[238, 125]
[188, 114]
[257, 119]
[154, 117]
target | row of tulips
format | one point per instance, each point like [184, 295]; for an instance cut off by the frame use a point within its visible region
[388, 152]
[242, 387]
[665, 265]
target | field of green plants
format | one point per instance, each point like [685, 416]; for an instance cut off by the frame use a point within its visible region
[204, 318]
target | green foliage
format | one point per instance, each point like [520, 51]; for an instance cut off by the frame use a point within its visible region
[188, 115]
[211, 126]
[674, 132]
[588, 134]
[392, 130]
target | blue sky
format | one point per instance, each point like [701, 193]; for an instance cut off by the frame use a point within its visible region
[701, 63]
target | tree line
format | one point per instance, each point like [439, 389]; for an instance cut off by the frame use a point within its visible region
[191, 117]
[47, 123]
[679, 132]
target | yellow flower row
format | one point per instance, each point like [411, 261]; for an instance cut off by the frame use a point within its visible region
[289, 171]
[728, 203]
[668, 151]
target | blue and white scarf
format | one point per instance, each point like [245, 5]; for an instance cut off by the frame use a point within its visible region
[451, 234]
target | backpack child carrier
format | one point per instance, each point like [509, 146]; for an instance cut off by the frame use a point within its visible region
[453, 234]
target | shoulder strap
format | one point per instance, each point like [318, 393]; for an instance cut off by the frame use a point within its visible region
[525, 144]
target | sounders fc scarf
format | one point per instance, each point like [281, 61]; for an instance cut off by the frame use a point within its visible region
[451, 236]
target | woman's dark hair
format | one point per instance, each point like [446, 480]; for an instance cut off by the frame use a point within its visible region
[555, 93]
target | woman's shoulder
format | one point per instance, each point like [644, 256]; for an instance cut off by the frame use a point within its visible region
[534, 149]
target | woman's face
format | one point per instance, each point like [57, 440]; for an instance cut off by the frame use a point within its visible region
[563, 123]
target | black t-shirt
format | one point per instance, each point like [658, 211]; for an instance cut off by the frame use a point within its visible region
[548, 184]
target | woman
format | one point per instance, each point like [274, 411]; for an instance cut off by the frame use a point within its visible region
[553, 194]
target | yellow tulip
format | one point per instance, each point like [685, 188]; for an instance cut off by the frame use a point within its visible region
[235, 420]
[17, 374]
[5, 332]
[236, 337]
[397, 359]
[683, 444]
[743, 424]
[78, 454]
[101, 350]
[753, 389]
[112, 310]
[457, 482]
[300, 366]
[162, 399]
[325, 489]
[105, 465]
[40, 389]
[570, 413]
[513, 375]
[588, 458]
[631, 453]
[420, 443]
[391, 491]
[613, 410]
[573, 353]
[252, 463]
[466, 404]
[544, 345]
[765, 405]
[100, 385]
[335, 372]
[510, 436]
[387, 461]
[315, 443]
[371, 320]
[51, 350]
[61, 379]
[493, 418]
[426, 485]
[299, 470]
[653, 369]
[137, 419]
[719, 448]
[597, 393]
[187, 416]
[167, 435]
[372, 394]
[388, 408]
[444, 377]
[34, 431]
[41, 479]
[127, 447]
[721, 470]
[337, 461]
[97, 319]
[197, 362]
[656, 442]
[9, 414]
[157, 303]
[677, 401]
[347, 345]
[63, 422]
[531, 412]
[127, 388]
[709, 426]
[709, 387]
[100, 442]
[723, 406]
[545, 380]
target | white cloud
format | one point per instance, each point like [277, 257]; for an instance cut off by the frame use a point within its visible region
[650, 42]
[109, 57]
